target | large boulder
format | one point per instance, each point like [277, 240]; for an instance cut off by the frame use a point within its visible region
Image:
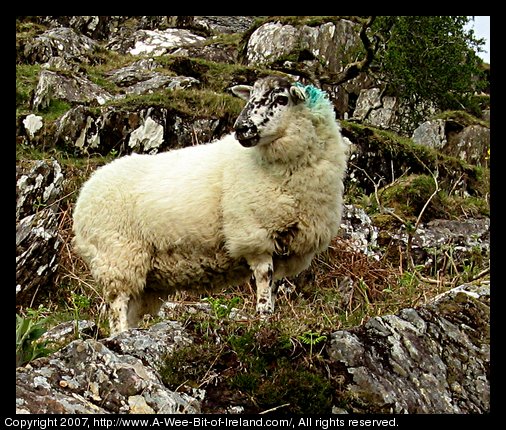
[457, 135]
[59, 42]
[70, 88]
[432, 359]
[314, 51]
[329, 43]
[115, 375]
[144, 130]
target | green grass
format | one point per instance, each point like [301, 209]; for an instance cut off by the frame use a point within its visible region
[192, 103]
[27, 77]
[461, 117]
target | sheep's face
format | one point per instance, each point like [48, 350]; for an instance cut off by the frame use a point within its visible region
[269, 100]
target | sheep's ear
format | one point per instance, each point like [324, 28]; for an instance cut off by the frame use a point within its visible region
[242, 91]
[298, 93]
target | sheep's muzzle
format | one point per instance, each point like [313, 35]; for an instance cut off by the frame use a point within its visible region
[246, 134]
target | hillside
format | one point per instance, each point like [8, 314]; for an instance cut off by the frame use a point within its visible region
[407, 277]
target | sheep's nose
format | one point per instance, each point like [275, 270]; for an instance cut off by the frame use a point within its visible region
[242, 128]
[246, 134]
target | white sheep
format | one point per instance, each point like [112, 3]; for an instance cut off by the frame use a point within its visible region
[261, 203]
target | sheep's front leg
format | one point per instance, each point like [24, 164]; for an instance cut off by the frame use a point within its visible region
[262, 268]
[118, 314]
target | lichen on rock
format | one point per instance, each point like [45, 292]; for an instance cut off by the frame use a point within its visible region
[432, 359]
[89, 376]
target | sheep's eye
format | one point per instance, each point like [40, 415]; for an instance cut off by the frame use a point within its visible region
[281, 99]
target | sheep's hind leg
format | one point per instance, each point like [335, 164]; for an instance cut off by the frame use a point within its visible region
[147, 302]
[263, 273]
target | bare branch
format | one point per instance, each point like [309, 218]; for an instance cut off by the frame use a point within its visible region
[353, 69]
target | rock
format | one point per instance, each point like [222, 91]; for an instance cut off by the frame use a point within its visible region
[59, 42]
[148, 130]
[140, 78]
[156, 42]
[32, 123]
[471, 144]
[358, 230]
[226, 24]
[95, 27]
[442, 244]
[431, 133]
[38, 184]
[216, 52]
[368, 99]
[37, 248]
[147, 137]
[73, 89]
[375, 109]
[89, 376]
[160, 81]
[432, 359]
[377, 159]
[76, 130]
[328, 43]
[65, 332]
[140, 70]
[455, 137]
[61, 64]
[152, 345]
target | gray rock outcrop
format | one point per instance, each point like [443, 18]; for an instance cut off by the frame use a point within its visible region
[143, 130]
[430, 359]
[38, 187]
[328, 43]
[469, 142]
[433, 359]
[110, 376]
[59, 42]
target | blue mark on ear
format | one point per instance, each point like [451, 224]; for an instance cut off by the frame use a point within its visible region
[314, 95]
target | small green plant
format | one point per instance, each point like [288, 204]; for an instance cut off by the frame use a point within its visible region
[221, 308]
[79, 305]
[310, 338]
[29, 329]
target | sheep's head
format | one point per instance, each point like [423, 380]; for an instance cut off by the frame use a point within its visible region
[269, 100]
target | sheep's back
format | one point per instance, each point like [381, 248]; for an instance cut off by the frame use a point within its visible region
[163, 200]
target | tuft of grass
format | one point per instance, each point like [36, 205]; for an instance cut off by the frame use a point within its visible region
[27, 76]
[461, 117]
[192, 103]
